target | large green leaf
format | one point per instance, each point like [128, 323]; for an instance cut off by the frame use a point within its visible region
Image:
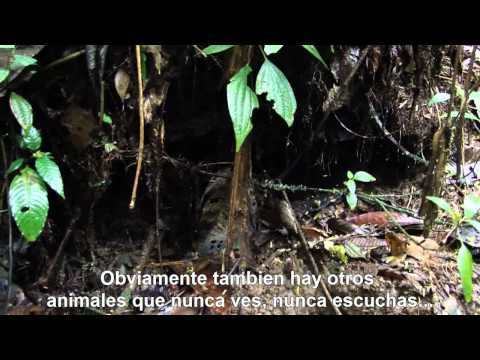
[22, 110]
[271, 80]
[4, 74]
[465, 268]
[50, 173]
[363, 176]
[214, 49]
[21, 61]
[471, 205]
[241, 101]
[31, 138]
[442, 204]
[29, 203]
[313, 50]
[272, 49]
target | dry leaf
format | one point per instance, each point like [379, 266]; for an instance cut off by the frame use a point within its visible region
[398, 245]
[313, 233]
[383, 219]
[417, 252]
[430, 244]
[122, 82]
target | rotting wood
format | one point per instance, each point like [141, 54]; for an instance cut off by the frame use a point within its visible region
[440, 153]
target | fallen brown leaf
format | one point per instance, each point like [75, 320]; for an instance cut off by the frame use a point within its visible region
[398, 245]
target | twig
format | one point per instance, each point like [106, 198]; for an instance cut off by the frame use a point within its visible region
[389, 136]
[142, 126]
[63, 60]
[53, 268]
[375, 199]
[310, 257]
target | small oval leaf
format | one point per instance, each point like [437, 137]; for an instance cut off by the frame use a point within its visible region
[50, 173]
[214, 49]
[15, 165]
[351, 186]
[107, 119]
[352, 200]
[363, 176]
[22, 110]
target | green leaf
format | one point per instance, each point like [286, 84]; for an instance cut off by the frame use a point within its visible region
[22, 110]
[272, 49]
[352, 200]
[453, 116]
[313, 50]
[471, 204]
[438, 98]
[15, 165]
[349, 175]
[107, 119]
[214, 49]
[459, 91]
[354, 251]
[465, 268]
[351, 186]
[470, 116]
[4, 74]
[474, 223]
[31, 139]
[363, 176]
[50, 173]
[21, 61]
[241, 101]
[442, 204]
[271, 80]
[29, 203]
[475, 96]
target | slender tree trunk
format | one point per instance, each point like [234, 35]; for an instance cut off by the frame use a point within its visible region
[240, 226]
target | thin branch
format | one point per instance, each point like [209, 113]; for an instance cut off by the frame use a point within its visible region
[310, 257]
[142, 126]
[390, 137]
